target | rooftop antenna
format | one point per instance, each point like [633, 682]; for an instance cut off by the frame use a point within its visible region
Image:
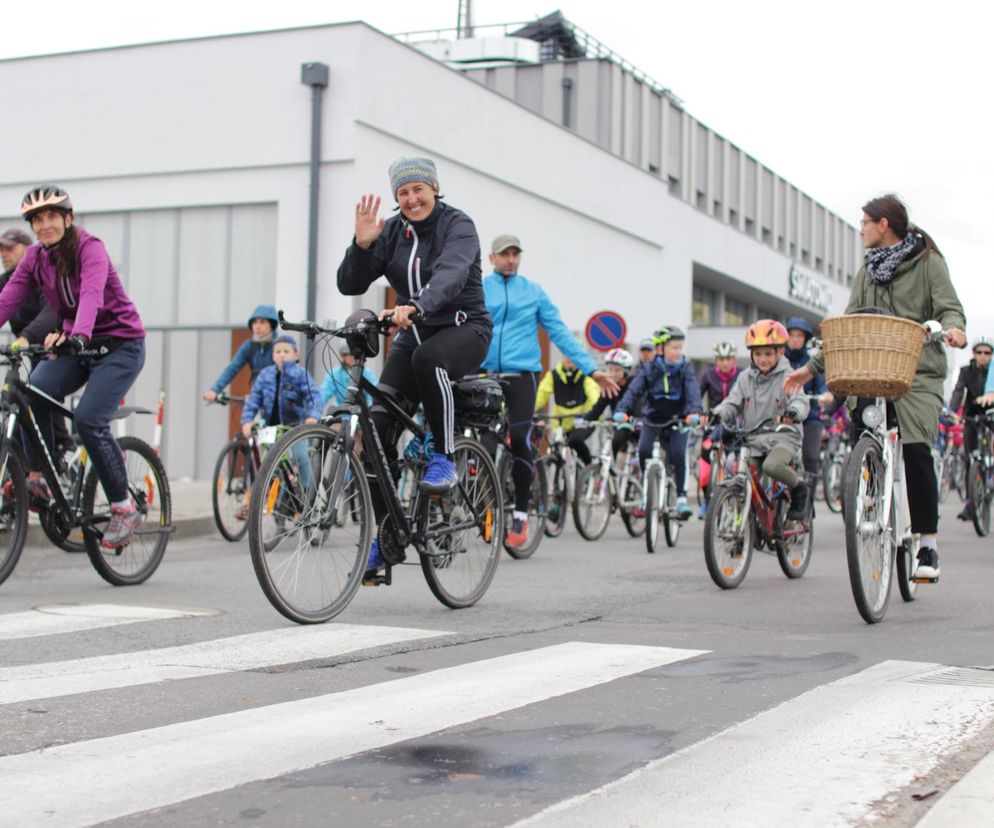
[464, 19]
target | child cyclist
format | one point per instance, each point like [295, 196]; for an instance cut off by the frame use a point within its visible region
[669, 387]
[572, 392]
[758, 397]
[619, 365]
[716, 382]
[283, 394]
[256, 352]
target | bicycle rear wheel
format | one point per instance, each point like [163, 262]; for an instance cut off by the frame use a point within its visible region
[727, 538]
[794, 552]
[461, 564]
[13, 508]
[149, 489]
[552, 467]
[234, 474]
[537, 500]
[593, 501]
[308, 558]
[653, 479]
[869, 551]
[671, 525]
[980, 497]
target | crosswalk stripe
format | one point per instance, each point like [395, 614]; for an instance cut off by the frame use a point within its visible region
[67, 618]
[107, 778]
[243, 652]
[824, 757]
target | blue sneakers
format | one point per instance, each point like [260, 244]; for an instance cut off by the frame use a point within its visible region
[373, 565]
[440, 476]
[683, 510]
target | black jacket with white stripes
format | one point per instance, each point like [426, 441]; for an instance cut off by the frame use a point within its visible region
[432, 264]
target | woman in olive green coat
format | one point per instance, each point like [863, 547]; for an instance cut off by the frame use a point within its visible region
[905, 274]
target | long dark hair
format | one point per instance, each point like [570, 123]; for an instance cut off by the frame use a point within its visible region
[65, 252]
[890, 207]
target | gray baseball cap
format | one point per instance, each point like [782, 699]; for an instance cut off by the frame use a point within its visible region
[14, 236]
[504, 242]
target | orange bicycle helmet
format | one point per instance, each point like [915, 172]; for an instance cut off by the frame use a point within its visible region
[48, 197]
[766, 333]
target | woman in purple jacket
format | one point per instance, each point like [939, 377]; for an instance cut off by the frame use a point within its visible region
[73, 271]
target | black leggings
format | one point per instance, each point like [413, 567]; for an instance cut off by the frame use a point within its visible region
[420, 373]
[923, 489]
[519, 396]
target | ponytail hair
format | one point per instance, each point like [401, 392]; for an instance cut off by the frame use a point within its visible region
[891, 207]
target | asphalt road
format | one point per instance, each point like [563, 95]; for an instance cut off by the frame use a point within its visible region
[484, 716]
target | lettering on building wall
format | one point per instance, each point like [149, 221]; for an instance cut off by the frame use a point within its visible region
[808, 290]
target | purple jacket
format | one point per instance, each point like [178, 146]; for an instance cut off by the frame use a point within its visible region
[91, 302]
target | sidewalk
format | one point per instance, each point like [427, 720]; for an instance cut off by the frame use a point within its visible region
[193, 512]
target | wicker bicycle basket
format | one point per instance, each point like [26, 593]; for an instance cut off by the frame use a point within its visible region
[867, 355]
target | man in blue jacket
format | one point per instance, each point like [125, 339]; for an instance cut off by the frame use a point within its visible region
[669, 388]
[256, 352]
[518, 306]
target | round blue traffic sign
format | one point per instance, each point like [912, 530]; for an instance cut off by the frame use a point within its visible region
[606, 330]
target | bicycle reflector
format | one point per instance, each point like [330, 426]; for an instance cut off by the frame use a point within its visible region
[872, 416]
[368, 341]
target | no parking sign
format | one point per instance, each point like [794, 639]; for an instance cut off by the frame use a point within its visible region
[606, 330]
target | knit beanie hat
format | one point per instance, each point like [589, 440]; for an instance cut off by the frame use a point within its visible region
[286, 338]
[412, 168]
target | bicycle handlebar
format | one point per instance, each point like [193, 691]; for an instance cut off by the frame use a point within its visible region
[381, 326]
[225, 399]
[14, 351]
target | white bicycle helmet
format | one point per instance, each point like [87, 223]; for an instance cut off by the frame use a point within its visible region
[620, 357]
[725, 349]
[983, 340]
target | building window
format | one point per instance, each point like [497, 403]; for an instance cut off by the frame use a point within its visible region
[735, 313]
[704, 305]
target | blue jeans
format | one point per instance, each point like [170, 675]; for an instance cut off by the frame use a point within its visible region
[107, 380]
[675, 446]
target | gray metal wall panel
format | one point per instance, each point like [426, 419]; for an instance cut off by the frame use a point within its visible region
[504, 81]
[553, 92]
[751, 173]
[211, 420]
[182, 399]
[585, 100]
[674, 160]
[145, 391]
[528, 81]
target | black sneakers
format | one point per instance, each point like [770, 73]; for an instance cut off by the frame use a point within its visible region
[798, 502]
[928, 564]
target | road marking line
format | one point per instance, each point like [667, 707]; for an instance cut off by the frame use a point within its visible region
[66, 618]
[822, 758]
[102, 779]
[205, 658]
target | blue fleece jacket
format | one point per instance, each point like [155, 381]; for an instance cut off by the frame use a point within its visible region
[668, 389]
[518, 306]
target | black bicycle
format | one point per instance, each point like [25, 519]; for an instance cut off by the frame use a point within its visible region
[234, 473]
[980, 482]
[311, 521]
[78, 501]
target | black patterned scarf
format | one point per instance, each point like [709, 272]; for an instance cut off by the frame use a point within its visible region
[881, 262]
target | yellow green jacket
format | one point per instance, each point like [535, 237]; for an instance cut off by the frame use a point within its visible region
[573, 393]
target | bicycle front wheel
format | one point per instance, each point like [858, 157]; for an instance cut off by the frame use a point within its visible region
[310, 525]
[727, 538]
[593, 501]
[653, 479]
[553, 469]
[13, 508]
[869, 550]
[149, 489]
[461, 564]
[234, 474]
[631, 499]
[980, 497]
[671, 525]
[831, 477]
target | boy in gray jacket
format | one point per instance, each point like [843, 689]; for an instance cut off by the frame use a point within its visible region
[758, 397]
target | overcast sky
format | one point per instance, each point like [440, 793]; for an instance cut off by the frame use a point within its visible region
[846, 100]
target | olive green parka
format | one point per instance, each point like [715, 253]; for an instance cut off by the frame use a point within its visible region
[920, 290]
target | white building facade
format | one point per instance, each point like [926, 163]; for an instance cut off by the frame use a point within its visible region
[190, 160]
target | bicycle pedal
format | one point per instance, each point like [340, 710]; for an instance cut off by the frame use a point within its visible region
[924, 580]
[378, 579]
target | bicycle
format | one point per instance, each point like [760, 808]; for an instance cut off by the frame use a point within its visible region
[951, 462]
[559, 468]
[496, 436]
[836, 453]
[746, 514]
[660, 491]
[234, 473]
[605, 486]
[310, 563]
[980, 483]
[79, 502]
